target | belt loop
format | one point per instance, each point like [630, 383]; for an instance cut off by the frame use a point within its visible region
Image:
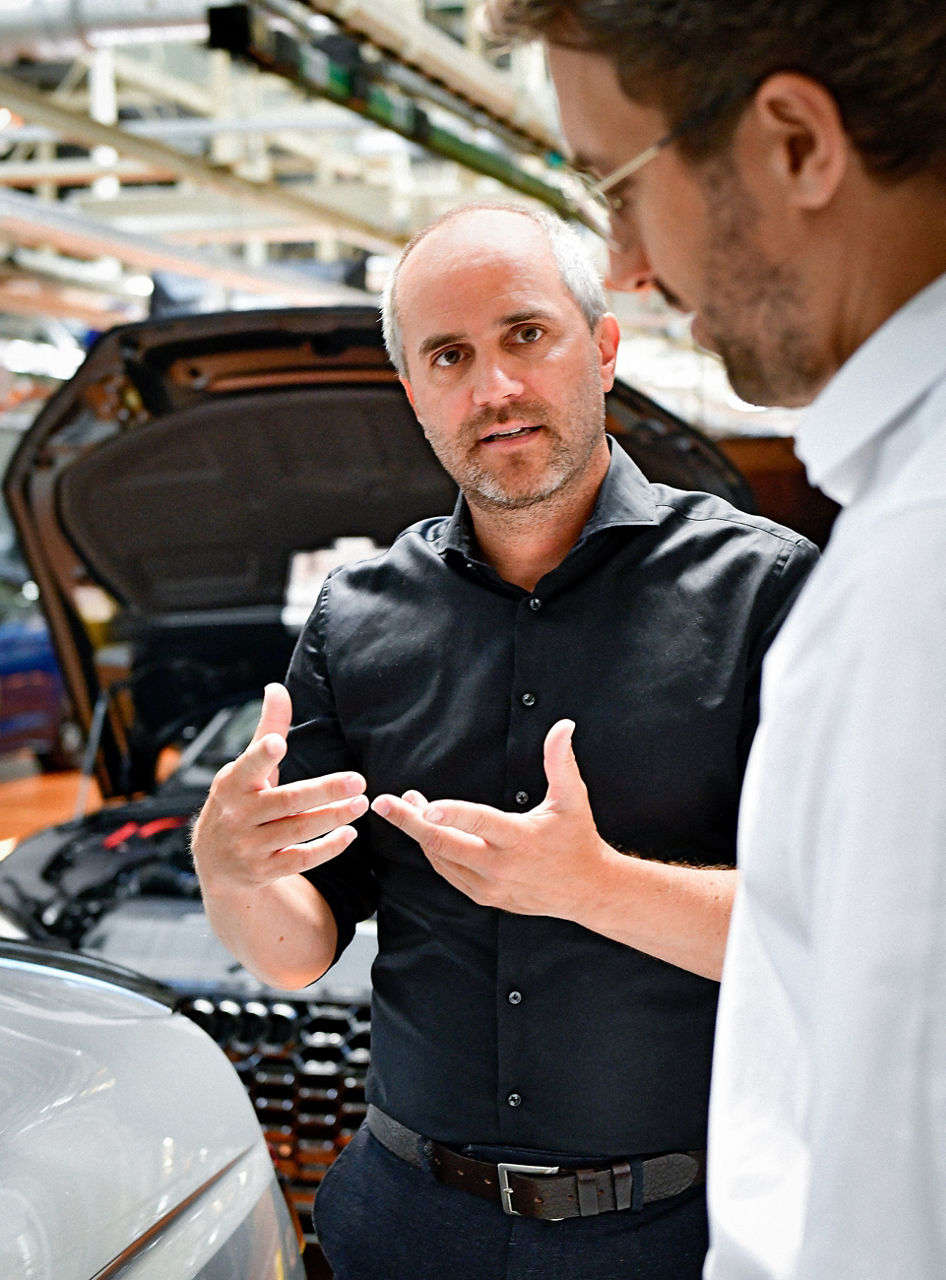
[587, 1185]
[623, 1184]
[637, 1183]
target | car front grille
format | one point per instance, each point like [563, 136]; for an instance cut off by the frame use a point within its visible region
[303, 1064]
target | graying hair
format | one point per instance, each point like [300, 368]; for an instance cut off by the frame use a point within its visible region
[575, 269]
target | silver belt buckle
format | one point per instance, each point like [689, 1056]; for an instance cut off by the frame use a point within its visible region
[505, 1190]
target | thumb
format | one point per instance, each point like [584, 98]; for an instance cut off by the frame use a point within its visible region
[276, 713]
[566, 789]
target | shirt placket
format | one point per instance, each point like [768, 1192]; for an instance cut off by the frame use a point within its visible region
[524, 788]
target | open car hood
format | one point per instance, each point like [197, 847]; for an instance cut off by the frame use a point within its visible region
[165, 496]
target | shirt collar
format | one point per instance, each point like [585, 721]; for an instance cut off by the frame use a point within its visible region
[837, 436]
[625, 498]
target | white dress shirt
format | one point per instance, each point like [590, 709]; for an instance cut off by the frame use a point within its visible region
[827, 1157]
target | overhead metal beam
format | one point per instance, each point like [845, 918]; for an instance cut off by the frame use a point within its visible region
[391, 25]
[69, 123]
[26, 220]
[23, 294]
[362, 87]
[78, 171]
[418, 44]
[175, 214]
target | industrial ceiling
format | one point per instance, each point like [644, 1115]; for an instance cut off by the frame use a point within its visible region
[269, 149]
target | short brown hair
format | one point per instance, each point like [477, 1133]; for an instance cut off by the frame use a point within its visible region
[883, 61]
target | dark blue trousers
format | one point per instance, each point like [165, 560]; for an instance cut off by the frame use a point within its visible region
[377, 1218]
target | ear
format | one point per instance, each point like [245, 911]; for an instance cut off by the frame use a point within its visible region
[607, 339]
[409, 392]
[798, 123]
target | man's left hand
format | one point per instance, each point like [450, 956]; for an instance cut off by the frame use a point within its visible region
[534, 863]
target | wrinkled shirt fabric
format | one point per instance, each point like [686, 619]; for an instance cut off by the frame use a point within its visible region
[828, 1116]
[423, 669]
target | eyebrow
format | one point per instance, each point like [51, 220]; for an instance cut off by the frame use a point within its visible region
[437, 340]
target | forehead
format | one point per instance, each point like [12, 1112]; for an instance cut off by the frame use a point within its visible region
[472, 271]
[602, 126]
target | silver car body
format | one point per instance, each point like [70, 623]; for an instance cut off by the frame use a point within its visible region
[128, 1146]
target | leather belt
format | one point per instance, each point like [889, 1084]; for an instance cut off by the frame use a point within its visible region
[545, 1191]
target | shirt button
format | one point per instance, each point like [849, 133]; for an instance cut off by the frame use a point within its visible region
[514, 1100]
[528, 699]
[515, 997]
[535, 604]
[522, 797]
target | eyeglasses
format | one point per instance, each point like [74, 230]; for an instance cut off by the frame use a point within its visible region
[590, 200]
[595, 207]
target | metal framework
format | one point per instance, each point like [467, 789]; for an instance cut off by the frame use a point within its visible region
[340, 125]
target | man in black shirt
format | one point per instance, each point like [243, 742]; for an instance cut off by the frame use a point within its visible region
[550, 931]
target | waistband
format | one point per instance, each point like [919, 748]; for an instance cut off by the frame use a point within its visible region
[548, 1192]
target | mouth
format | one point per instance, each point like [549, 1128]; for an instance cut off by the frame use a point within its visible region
[510, 433]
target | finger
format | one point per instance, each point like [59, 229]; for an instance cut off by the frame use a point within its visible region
[481, 820]
[296, 859]
[442, 842]
[299, 828]
[307, 795]
[271, 731]
[461, 878]
[415, 798]
[276, 712]
[566, 789]
[257, 767]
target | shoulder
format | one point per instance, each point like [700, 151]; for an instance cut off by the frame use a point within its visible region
[415, 544]
[415, 555]
[705, 516]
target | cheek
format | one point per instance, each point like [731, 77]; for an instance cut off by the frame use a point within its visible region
[672, 222]
[435, 410]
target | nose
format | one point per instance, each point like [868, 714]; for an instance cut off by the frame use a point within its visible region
[494, 383]
[628, 265]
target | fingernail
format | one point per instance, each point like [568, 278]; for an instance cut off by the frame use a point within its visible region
[381, 806]
[433, 814]
[353, 784]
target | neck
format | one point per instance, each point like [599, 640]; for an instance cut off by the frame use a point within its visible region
[907, 220]
[524, 545]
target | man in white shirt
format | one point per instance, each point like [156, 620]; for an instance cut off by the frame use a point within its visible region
[778, 168]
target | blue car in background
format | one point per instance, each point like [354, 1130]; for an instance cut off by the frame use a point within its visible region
[33, 706]
[33, 711]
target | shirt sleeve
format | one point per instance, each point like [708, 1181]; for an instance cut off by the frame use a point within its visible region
[317, 746]
[786, 578]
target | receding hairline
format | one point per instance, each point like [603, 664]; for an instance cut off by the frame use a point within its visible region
[536, 231]
[462, 213]
[550, 229]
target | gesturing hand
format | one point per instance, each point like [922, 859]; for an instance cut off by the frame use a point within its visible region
[251, 831]
[535, 863]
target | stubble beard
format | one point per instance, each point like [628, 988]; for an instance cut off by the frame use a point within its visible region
[488, 491]
[756, 315]
[566, 463]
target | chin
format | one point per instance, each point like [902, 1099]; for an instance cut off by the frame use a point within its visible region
[781, 387]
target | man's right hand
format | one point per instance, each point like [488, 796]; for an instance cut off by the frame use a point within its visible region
[251, 831]
[252, 839]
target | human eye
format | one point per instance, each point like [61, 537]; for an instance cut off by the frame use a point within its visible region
[527, 334]
[448, 357]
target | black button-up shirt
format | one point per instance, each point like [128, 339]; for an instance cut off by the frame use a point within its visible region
[424, 669]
